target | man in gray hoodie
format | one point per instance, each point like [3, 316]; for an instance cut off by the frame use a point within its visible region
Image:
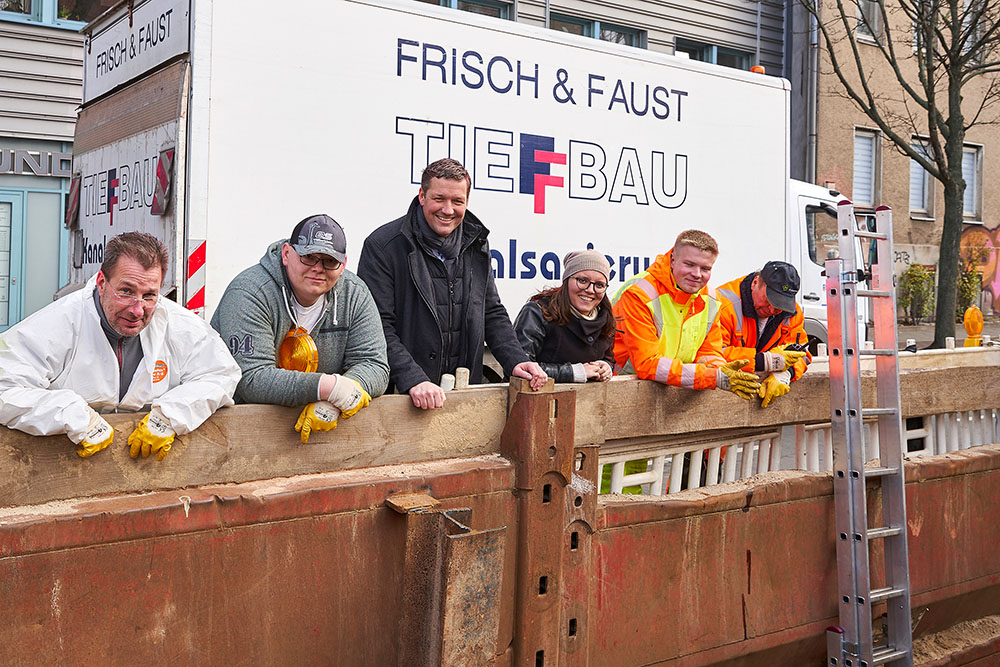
[304, 330]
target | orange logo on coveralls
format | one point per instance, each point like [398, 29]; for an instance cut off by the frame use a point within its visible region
[159, 370]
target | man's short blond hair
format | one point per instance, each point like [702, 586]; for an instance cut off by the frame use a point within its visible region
[697, 239]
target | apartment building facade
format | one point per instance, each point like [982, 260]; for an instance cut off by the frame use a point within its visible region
[734, 33]
[834, 142]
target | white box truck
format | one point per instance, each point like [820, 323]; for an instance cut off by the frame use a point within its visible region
[218, 125]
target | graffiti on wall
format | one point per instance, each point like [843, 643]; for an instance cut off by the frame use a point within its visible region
[980, 244]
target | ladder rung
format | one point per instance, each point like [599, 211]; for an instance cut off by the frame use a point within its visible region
[880, 472]
[886, 353]
[886, 531]
[875, 292]
[879, 594]
[877, 411]
[871, 235]
[884, 654]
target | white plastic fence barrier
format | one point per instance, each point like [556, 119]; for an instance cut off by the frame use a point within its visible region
[810, 447]
[665, 468]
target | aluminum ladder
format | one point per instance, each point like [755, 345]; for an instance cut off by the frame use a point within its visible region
[852, 644]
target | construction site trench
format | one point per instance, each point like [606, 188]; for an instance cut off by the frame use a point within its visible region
[476, 535]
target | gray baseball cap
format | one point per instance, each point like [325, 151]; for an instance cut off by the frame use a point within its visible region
[319, 235]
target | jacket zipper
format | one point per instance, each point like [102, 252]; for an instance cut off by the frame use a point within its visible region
[118, 385]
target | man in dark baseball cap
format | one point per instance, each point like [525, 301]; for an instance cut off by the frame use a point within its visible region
[782, 283]
[759, 320]
[320, 235]
[305, 331]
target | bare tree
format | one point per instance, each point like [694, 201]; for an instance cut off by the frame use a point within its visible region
[944, 56]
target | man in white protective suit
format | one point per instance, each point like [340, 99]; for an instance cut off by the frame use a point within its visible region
[113, 346]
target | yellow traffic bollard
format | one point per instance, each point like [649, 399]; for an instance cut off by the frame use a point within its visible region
[973, 322]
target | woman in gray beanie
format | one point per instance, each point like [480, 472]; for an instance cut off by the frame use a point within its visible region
[570, 330]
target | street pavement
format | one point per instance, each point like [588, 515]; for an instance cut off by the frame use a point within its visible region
[924, 333]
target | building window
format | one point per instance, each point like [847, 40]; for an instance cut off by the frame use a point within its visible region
[494, 8]
[972, 173]
[82, 10]
[921, 183]
[869, 23]
[865, 167]
[61, 13]
[708, 53]
[607, 32]
[16, 6]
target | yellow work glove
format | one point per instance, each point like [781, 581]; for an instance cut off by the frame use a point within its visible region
[318, 416]
[99, 435]
[348, 396]
[773, 386]
[153, 435]
[741, 383]
[778, 359]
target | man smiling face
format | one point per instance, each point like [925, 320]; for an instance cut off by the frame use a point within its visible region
[444, 203]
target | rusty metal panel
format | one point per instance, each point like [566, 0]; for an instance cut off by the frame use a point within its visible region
[538, 436]
[452, 579]
[473, 568]
[303, 570]
[539, 439]
[580, 509]
[713, 582]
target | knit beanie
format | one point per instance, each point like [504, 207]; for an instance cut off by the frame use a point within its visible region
[586, 260]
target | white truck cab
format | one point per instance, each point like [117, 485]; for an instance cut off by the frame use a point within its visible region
[812, 212]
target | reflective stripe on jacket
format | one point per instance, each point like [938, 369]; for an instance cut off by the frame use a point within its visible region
[666, 334]
[738, 323]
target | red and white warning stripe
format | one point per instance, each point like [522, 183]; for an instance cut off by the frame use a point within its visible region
[73, 202]
[196, 277]
[164, 171]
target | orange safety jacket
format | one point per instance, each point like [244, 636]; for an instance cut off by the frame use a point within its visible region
[738, 322]
[664, 333]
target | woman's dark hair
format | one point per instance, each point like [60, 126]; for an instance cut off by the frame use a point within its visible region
[555, 306]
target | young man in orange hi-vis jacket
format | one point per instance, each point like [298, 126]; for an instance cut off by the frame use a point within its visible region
[667, 322]
[668, 329]
[759, 319]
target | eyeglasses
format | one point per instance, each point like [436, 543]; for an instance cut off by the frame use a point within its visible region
[585, 283]
[127, 296]
[313, 260]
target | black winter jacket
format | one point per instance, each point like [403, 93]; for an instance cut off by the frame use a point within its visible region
[558, 348]
[398, 274]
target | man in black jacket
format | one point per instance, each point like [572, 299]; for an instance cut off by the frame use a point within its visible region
[430, 274]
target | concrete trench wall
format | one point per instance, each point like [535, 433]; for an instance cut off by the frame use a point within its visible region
[308, 569]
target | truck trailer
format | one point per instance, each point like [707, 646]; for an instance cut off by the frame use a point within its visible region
[216, 126]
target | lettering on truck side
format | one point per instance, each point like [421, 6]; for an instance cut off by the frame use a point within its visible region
[149, 36]
[615, 174]
[473, 70]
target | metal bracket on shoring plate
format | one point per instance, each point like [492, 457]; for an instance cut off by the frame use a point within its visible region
[451, 585]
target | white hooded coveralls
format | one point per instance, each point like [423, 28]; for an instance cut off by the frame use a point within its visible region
[58, 361]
